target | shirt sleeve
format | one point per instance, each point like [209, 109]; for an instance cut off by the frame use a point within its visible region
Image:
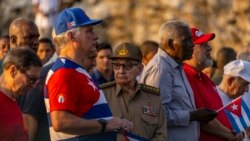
[62, 90]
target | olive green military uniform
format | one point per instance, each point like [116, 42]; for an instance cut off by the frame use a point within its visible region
[143, 109]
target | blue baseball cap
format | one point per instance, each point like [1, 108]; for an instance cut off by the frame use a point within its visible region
[71, 18]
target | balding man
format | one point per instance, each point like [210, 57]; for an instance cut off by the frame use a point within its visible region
[22, 32]
[166, 72]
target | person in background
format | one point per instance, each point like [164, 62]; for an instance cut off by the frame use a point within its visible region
[21, 68]
[149, 49]
[165, 71]
[45, 49]
[244, 54]
[76, 107]
[205, 93]
[4, 48]
[46, 12]
[24, 32]
[138, 103]
[103, 72]
[224, 56]
[235, 83]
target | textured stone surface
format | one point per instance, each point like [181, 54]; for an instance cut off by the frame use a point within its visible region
[139, 20]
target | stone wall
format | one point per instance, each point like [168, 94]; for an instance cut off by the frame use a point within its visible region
[139, 20]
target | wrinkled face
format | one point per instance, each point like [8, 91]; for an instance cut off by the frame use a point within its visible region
[238, 87]
[4, 47]
[45, 51]
[126, 70]
[25, 80]
[202, 55]
[89, 61]
[27, 35]
[103, 62]
[87, 39]
[183, 44]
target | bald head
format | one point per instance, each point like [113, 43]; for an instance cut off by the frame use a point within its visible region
[23, 32]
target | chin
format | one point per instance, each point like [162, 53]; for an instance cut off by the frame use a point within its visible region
[122, 82]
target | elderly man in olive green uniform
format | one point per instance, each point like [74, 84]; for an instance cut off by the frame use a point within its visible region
[138, 103]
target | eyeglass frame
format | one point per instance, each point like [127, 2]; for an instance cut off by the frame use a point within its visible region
[126, 66]
[32, 80]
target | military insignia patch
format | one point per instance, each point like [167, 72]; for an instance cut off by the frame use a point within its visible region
[149, 110]
[122, 52]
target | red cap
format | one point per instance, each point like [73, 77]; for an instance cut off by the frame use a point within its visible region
[199, 37]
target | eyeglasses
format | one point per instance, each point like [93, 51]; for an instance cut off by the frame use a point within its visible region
[127, 66]
[32, 79]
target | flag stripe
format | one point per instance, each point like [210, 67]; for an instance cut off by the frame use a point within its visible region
[245, 113]
[233, 122]
[243, 123]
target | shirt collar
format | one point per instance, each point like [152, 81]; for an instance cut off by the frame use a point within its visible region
[119, 90]
[167, 58]
[191, 71]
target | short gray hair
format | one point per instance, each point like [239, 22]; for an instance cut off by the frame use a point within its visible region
[171, 29]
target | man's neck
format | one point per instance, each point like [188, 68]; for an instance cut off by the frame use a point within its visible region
[4, 88]
[194, 65]
[73, 55]
[129, 88]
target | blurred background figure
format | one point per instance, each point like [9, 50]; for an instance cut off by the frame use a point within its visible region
[4, 45]
[45, 15]
[4, 48]
[23, 32]
[244, 54]
[103, 71]
[45, 49]
[224, 56]
[149, 49]
[209, 71]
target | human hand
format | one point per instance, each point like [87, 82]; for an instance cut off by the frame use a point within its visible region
[119, 124]
[202, 115]
[238, 137]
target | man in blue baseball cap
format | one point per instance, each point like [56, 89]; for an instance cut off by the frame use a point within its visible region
[76, 107]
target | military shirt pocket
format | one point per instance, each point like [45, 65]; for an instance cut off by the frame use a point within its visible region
[150, 120]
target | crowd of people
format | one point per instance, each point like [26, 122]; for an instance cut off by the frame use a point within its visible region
[59, 83]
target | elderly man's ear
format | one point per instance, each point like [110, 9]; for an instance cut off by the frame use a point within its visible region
[13, 40]
[230, 81]
[170, 43]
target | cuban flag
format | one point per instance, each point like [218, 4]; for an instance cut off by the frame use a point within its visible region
[238, 113]
[132, 137]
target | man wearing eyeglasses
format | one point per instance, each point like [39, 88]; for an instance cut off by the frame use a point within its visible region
[76, 107]
[21, 70]
[138, 103]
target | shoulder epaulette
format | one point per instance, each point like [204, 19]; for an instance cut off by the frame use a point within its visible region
[107, 84]
[150, 89]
